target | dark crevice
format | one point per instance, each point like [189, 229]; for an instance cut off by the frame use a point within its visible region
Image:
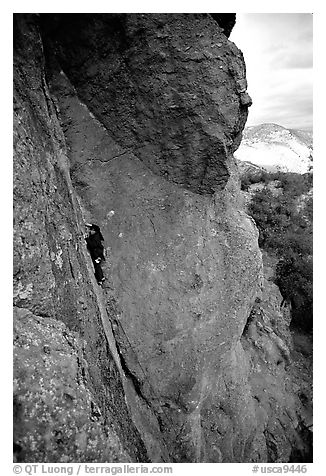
[71, 268]
[153, 225]
[272, 453]
[250, 319]
[136, 384]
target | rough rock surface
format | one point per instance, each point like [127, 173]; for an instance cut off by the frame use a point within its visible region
[174, 92]
[226, 21]
[279, 376]
[56, 417]
[52, 281]
[130, 121]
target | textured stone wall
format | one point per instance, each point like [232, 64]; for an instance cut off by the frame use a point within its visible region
[130, 122]
[183, 268]
[171, 88]
[65, 375]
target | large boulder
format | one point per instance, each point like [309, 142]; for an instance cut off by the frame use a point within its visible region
[169, 87]
[130, 121]
[183, 268]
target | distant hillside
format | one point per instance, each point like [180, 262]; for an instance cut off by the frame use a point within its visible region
[274, 147]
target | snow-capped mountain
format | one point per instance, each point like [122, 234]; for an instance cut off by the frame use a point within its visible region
[274, 147]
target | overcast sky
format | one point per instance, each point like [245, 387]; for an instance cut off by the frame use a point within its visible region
[277, 48]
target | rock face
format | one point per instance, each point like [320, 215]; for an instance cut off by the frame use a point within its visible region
[130, 122]
[55, 296]
[174, 94]
[56, 416]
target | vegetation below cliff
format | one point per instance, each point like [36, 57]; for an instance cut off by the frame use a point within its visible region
[130, 121]
[282, 209]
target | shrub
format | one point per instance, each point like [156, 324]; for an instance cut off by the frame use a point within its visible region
[286, 232]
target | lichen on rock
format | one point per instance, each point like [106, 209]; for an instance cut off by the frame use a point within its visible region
[130, 121]
[56, 417]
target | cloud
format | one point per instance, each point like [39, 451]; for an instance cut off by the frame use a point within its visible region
[295, 52]
[293, 59]
[283, 103]
[278, 52]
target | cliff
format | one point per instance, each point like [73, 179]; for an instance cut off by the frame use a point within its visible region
[130, 121]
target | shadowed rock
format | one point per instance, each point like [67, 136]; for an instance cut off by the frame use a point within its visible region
[130, 121]
[169, 87]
